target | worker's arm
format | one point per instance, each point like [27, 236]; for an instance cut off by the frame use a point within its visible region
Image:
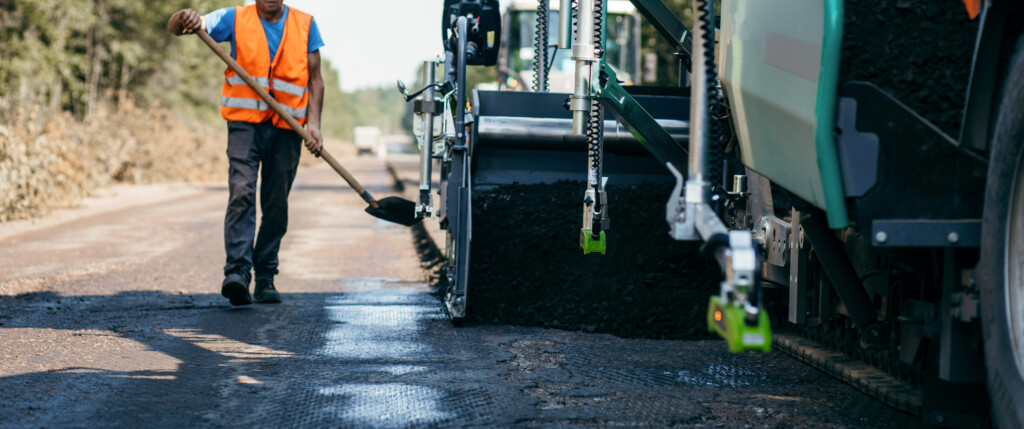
[316, 103]
[185, 21]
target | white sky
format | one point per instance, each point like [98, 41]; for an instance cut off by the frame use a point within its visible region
[376, 42]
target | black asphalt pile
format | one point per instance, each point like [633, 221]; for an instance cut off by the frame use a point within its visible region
[917, 50]
[527, 267]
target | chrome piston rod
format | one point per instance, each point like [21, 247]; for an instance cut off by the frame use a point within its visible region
[564, 24]
[583, 54]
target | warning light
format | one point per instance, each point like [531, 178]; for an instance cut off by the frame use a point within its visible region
[718, 316]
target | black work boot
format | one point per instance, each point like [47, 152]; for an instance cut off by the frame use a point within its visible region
[265, 292]
[236, 287]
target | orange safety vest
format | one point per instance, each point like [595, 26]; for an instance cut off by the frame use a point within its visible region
[286, 77]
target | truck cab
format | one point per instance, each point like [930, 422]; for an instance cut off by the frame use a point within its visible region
[367, 140]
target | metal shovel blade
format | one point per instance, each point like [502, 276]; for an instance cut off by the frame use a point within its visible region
[395, 210]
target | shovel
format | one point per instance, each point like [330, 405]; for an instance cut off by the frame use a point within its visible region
[391, 209]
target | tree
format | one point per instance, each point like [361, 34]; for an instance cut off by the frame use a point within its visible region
[74, 56]
[668, 63]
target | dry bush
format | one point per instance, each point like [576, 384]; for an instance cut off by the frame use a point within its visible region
[51, 162]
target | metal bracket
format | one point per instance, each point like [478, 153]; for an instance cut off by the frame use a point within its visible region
[774, 236]
[424, 211]
[737, 204]
[432, 107]
[688, 216]
[589, 198]
[926, 232]
[966, 306]
[679, 228]
[439, 148]
[741, 263]
[602, 195]
[958, 363]
[797, 272]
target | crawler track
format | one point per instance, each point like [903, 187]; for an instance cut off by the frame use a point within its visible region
[866, 378]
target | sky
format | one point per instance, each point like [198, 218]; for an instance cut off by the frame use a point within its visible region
[376, 42]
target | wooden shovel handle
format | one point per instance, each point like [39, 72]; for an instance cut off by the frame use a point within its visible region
[287, 118]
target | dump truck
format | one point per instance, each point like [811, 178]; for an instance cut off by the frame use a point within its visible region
[855, 167]
[367, 140]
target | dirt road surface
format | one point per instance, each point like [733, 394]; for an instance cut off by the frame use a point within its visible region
[111, 316]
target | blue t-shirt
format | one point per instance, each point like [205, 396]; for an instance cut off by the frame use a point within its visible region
[221, 26]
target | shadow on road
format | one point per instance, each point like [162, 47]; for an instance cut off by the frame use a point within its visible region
[170, 359]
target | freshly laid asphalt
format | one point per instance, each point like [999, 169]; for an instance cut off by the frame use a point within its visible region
[114, 318]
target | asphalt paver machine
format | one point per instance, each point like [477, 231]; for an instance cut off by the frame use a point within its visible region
[541, 137]
[830, 201]
[495, 138]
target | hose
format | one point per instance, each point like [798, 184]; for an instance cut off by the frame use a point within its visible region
[540, 44]
[714, 99]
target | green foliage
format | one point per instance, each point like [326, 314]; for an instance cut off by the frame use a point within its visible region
[652, 42]
[74, 56]
[337, 119]
[379, 107]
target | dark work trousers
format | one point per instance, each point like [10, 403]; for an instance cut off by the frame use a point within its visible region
[278, 150]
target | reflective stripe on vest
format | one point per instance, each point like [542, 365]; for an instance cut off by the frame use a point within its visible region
[280, 85]
[260, 105]
[244, 103]
[296, 113]
[263, 82]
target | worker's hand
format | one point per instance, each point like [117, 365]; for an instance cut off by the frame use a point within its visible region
[317, 144]
[186, 21]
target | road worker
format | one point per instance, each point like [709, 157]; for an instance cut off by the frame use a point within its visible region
[280, 47]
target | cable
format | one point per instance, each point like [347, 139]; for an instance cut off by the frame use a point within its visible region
[551, 62]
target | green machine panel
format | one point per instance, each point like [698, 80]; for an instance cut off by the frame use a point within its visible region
[779, 63]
